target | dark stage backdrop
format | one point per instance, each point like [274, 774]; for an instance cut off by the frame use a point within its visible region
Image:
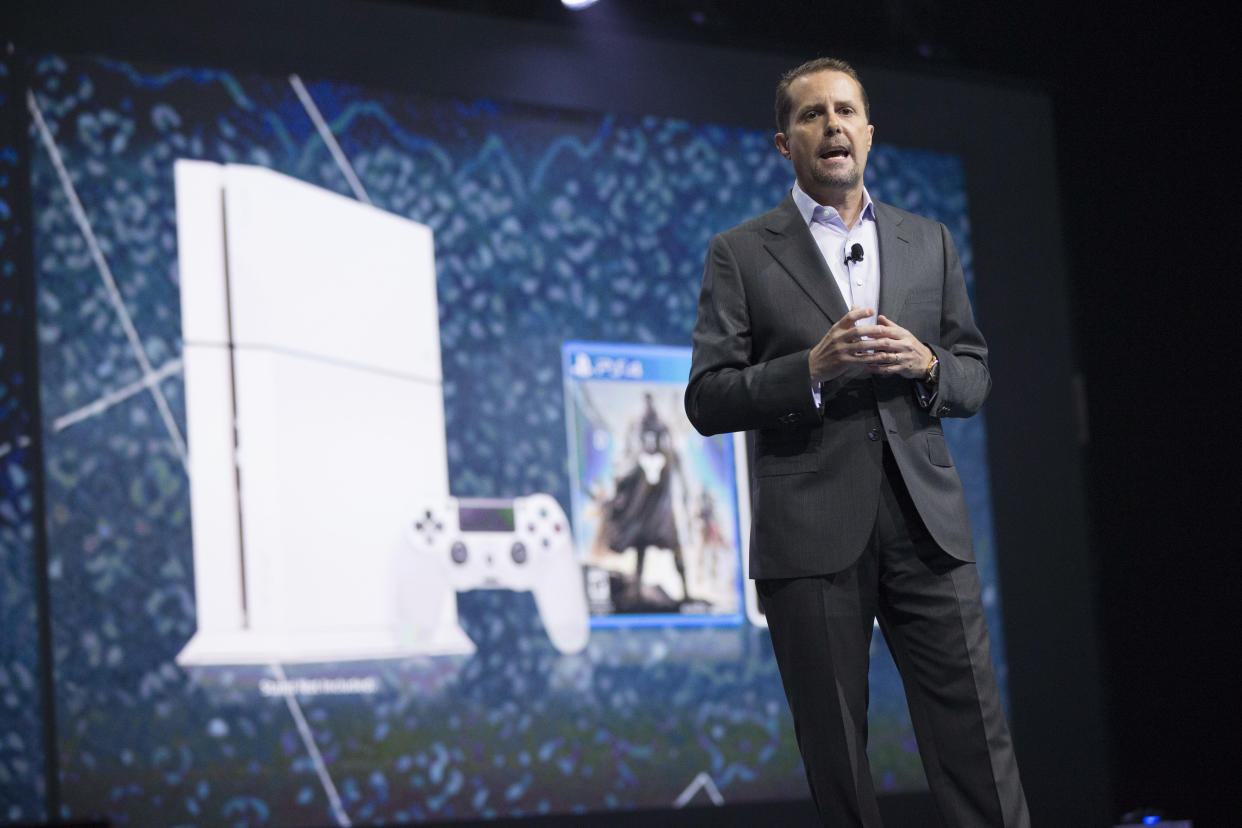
[22, 757]
[572, 183]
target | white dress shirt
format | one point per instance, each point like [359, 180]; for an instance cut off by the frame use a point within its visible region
[858, 281]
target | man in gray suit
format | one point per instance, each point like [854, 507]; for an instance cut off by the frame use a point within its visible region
[857, 509]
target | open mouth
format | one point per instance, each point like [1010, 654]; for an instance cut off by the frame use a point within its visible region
[835, 152]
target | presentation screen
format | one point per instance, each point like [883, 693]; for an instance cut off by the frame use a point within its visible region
[369, 493]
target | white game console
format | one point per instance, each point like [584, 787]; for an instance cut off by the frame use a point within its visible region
[315, 420]
[314, 409]
[525, 544]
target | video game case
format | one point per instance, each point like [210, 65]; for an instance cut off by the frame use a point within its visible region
[658, 510]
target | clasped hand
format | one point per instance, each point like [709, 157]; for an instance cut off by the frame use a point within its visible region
[883, 349]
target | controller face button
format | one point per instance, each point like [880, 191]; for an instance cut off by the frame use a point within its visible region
[458, 552]
[519, 553]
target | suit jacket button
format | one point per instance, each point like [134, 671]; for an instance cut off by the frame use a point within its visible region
[791, 417]
[944, 410]
[874, 434]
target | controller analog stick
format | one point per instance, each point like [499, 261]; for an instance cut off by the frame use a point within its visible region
[519, 553]
[458, 552]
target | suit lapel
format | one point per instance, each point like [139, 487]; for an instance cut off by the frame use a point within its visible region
[790, 242]
[895, 260]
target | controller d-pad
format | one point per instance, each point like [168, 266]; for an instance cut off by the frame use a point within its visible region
[518, 551]
[458, 552]
[427, 522]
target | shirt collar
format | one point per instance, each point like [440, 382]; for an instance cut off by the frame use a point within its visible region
[806, 206]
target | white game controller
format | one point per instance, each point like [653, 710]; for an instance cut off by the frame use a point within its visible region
[458, 544]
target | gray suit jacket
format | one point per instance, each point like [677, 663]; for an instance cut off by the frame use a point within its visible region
[767, 299]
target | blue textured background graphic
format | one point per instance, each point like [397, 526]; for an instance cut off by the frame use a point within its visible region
[550, 225]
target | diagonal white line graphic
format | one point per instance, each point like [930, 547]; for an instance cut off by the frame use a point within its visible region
[702, 782]
[308, 739]
[113, 397]
[105, 273]
[329, 139]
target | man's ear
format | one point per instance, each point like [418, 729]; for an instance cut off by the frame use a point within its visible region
[782, 143]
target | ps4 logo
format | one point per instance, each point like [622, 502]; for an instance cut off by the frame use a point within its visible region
[610, 367]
